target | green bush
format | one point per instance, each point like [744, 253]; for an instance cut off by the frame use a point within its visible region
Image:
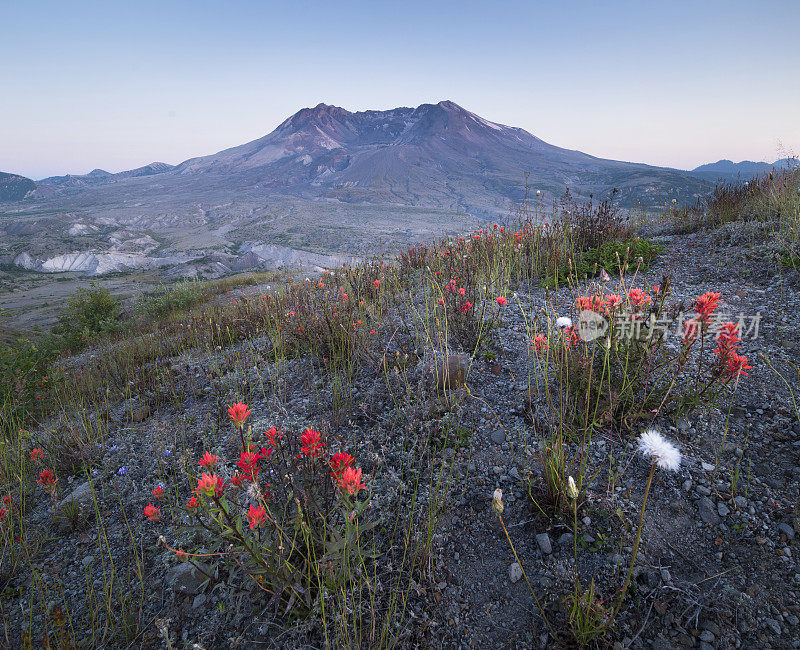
[614, 257]
[89, 314]
[168, 300]
[24, 383]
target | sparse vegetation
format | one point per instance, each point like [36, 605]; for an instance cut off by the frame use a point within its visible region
[370, 405]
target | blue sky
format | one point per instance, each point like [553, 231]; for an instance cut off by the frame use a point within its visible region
[117, 85]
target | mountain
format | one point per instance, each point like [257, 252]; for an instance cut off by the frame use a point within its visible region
[15, 188]
[102, 177]
[729, 170]
[437, 155]
[325, 182]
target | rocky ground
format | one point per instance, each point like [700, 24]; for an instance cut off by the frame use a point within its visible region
[717, 568]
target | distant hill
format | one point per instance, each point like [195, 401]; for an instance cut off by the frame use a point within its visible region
[14, 188]
[102, 177]
[729, 170]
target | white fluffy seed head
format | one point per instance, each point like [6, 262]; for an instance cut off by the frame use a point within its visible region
[659, 450]
[572, 489]
[497, 501]
[563, 321]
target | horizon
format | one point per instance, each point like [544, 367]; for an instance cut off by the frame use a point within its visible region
[116, 88]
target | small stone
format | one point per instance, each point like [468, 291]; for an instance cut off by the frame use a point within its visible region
[453, 372]
[723, 510]
[498, 436]
[77, 505]
[787, 530]
[773, 625]
[141, 414]
[708, 513]
[199, 601]
[707, 636]
[515, 572]
[565, 539]
[543, 540]
[186, 579]
[702, 489]
[687, 485]
[707, 467]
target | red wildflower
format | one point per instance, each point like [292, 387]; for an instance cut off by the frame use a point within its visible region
[237, 479]
[466, 307]
[152, 512]
[310, 440]
[248, 463]
[158, 492]
[591, 303]
[376, 284]
[638, 297]
[350, 480]
[46, 479]
[208, 460]
[239, 413]
[501, 300]
[540, 342]
[612, 300]
[462, 291]
[706, 305]
[192, 503]
[273, 436]
[3, 512]
[256, 516]
[737, 364]
[37, 455]
[7, 499]
[340, 461]
[727, 340]
[208, 485]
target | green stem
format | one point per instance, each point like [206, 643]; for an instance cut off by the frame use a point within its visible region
[636, 545]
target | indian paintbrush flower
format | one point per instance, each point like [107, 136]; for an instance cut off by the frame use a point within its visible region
[350, 480]
[152, 512]
[572, 489]
[239, 413]
[256, 516]
[208, 460]
[310, 440]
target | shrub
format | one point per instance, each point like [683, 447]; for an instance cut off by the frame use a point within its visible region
[613, 257]
[25, 381]
[89, 314]
[169, 300]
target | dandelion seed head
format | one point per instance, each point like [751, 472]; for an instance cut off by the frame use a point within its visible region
[497, 501]
[563, 322]
[572, 489]
[659, 450]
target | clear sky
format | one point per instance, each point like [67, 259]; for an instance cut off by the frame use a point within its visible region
[119, 84]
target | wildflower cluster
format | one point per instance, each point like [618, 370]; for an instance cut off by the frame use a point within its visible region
[276, 490]
[623, 370]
